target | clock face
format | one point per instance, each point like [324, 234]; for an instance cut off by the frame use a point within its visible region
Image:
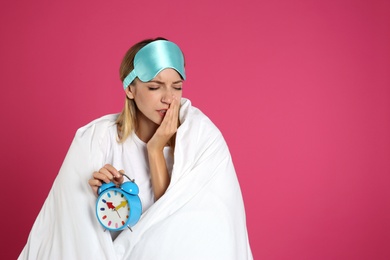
[112, 209]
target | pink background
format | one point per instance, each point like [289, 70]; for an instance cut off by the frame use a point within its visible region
[300, 89]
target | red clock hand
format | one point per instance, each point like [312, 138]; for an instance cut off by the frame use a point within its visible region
[110, 205]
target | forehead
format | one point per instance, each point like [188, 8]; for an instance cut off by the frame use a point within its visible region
[167, 75]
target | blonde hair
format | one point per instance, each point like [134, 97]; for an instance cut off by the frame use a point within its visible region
[127, 119]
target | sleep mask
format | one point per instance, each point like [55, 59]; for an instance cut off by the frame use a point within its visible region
[153, 58]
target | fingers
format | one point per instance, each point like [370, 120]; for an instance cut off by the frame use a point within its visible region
[170, 120]
[106, 174]
[174, 107]
[95, 184]
[109, 170]
[167, 128]
[118, 181]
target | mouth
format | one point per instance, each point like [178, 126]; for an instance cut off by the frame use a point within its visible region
[162, 112]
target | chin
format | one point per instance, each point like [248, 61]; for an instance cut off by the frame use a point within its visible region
[157, 122]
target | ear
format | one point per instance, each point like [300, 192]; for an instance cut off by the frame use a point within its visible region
[129, 92]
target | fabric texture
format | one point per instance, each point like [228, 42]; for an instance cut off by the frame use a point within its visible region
[201, 215]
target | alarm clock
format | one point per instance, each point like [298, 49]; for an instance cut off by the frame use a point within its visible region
[118, 207]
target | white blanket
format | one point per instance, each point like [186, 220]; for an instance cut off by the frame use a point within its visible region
[201, 215]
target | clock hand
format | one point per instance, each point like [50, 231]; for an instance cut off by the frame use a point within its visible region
[121, 205]
[117, 213]
[110, 205]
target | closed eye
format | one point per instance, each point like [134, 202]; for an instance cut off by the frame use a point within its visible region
[178, 87]
[153, 88]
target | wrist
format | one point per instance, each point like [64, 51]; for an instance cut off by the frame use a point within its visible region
[154, 150]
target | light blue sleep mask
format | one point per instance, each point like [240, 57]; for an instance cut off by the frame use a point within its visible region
[153, 58]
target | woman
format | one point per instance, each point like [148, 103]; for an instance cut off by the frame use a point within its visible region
[192, 204]
[150, 114]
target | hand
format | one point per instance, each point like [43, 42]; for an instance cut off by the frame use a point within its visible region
[167, 128]
[106, 174]
[157, 165]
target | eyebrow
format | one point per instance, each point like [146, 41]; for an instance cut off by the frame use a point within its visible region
[163, 83]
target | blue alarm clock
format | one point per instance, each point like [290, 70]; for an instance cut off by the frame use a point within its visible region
[118, 208]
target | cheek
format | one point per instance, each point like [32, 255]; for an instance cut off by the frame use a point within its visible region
[146, 100]
[179, 95]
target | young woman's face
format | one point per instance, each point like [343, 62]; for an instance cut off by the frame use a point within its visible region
[154, 97]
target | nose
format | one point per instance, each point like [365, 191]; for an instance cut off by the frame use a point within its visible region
[167, 97]
[166, 100]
